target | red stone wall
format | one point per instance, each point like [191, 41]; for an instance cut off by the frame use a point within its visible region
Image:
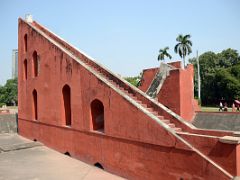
[169, 94]
[177, 92]
[187, 93]
[148, 75]
[133, 145]
[134, 160]
[222, 154]
[176, 64]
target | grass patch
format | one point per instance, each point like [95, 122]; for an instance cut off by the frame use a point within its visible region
[209, 109]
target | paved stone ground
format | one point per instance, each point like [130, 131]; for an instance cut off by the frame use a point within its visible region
[219, 121]
[8, 123]
[22, 159]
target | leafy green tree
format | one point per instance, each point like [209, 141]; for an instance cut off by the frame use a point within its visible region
[183, 47]
[133, 80]
[220, 76]
[228, 57]
[235, 71]
[227, 86]
[8, 92]
[164, 53]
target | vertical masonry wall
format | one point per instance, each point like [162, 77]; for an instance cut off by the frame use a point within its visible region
[177, 90]
[65, 106]
[147, 77]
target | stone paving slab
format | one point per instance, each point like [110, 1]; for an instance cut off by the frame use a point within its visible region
[42, 163]
[218, 121]
[8, 123]
[14, 147]
[10, 139]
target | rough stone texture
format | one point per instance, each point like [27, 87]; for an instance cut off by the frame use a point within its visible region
[147, 77]
[11, 142]
[8, 123]
[220, 121]
[158, 80]
[177, 92]
[136, 142]
[173, 87]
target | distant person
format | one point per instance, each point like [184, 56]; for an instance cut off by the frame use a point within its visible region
[237, 103]
[233, 107]
[220, 106]
[225, 107]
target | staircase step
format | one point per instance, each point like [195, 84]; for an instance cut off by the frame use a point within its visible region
[121, 88]
[139, 102]
[152, 111]
[171, 125]
[143, 105]
[155, 113]
[131, 95]
[177, 129]
[134, 97]
[166, 121]
[161, 117]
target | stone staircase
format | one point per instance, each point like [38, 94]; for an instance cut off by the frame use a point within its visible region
[149, 105]
[158, 112]
[130, 94]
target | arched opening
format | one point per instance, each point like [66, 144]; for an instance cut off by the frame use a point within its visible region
[25, 69]
[97, 114]
[35, 105]
[36, 64]
[35, 140]
[66, 92]
[98, 165]
[25, 43]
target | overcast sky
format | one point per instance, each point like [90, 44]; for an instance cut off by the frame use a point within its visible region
[125, 35]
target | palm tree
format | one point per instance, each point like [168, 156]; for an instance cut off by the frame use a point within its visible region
[163, 53]
[183, 47]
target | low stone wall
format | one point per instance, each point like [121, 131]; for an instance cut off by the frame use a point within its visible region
[219, 121]
[8, 123]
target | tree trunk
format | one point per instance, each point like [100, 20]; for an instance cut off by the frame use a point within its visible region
[183, 62]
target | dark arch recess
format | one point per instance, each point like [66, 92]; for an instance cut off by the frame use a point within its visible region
[97, 115]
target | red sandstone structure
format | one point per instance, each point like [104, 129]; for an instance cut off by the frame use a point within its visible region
[72, 104]
[173, 87]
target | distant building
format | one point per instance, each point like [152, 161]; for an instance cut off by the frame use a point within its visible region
[14, 63]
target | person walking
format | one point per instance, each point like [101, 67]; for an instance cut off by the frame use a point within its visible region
[220, 106]
[233, 107]
[225, 107]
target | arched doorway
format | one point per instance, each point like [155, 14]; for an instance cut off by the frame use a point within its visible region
[25, 69]
[25, 43]
[66, 93]
[36, 64]
[97, 115]
[35, 105]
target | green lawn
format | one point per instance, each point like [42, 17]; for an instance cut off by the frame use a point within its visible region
[209, 109]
